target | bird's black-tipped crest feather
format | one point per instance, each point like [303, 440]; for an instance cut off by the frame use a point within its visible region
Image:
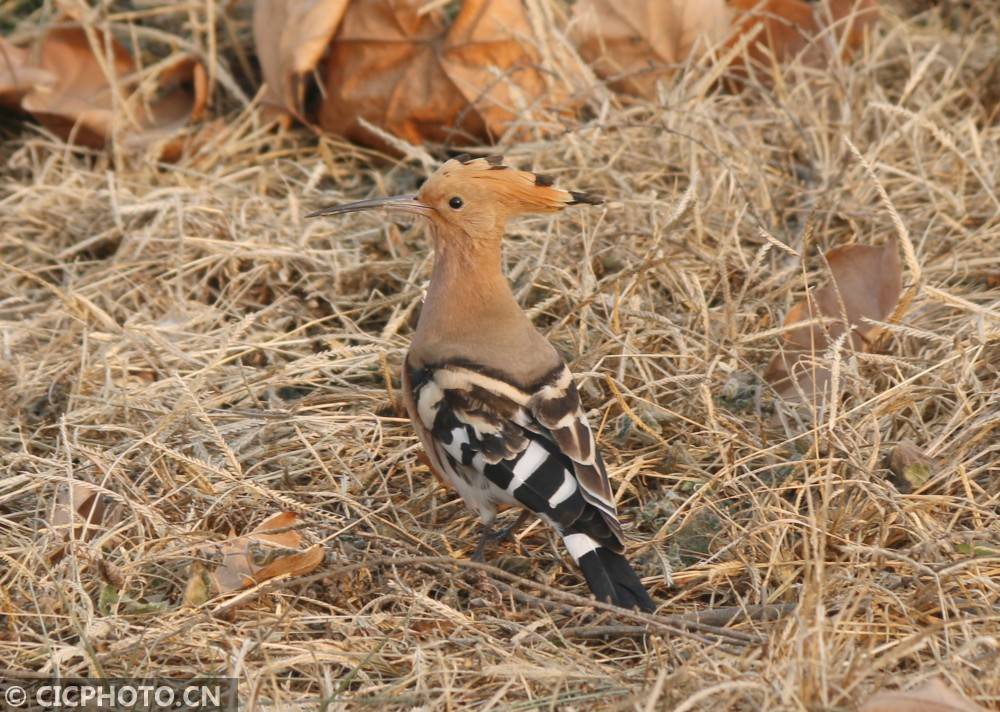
[585, 198]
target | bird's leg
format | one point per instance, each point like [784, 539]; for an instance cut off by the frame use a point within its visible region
[506, 532]
[489, 536]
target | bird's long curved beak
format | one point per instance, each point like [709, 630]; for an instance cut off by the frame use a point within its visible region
[398, 203]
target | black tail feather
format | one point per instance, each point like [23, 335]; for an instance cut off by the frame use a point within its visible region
[610, 577]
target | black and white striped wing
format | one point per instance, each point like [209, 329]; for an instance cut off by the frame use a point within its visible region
[529, 446]
[555, 406]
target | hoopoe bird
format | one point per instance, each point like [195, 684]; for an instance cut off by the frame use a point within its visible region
[494, 405]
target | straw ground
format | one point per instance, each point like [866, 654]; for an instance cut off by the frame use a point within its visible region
[180, 342]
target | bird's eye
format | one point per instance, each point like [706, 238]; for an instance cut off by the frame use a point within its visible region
[456, 203]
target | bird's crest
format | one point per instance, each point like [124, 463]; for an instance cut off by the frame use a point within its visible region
[523, 191]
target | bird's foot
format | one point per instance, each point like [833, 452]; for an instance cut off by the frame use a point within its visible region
[491, 536]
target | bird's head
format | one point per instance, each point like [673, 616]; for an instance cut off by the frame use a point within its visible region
[474, 198]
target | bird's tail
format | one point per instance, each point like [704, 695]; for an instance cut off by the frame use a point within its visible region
[608, 573]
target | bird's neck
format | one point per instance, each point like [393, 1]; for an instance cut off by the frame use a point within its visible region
[471, 315]
[468, 284]
[470, 311]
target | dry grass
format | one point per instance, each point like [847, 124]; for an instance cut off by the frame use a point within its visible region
[184, 344]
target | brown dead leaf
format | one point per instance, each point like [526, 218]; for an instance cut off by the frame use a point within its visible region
[852, 19]
[633, 43]
[423, 77]
[936, 695]
[235, 564]
[270, 531]
[866, 284]
[81, 95]
[911, 468]
[17, 75]
[90, 101]
[241, 562]
[181, 98]
[78, 512]
[291, 565]
[291, 37]
[795, 28]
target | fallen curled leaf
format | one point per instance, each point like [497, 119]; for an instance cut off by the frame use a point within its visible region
[866, 284]
[78, 512]
[276, 530]
[181, 97]
[291, 36]
[78, 104]
[813, 32]
[270, 550]
[633, 43]
[17, 75]
[235, 565]
[933, 696]
[851, 20]
[291, 565]
[91, 100]
[422, 76]
[910, 467]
